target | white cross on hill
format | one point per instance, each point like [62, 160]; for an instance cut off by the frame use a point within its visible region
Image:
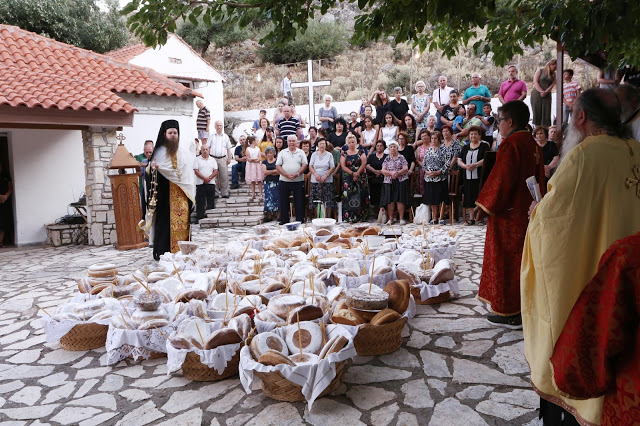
[310, 84]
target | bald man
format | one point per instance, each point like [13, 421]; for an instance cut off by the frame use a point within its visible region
[220, 150]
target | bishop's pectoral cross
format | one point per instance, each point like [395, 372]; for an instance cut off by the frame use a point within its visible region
[634, 181]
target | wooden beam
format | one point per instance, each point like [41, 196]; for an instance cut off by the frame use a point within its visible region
[38, 116]
[41, 126]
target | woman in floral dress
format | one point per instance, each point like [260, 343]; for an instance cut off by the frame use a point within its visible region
[423, 144]
[395, 190]
[355, 189]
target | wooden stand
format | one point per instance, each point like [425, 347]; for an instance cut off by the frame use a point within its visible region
[127, 211]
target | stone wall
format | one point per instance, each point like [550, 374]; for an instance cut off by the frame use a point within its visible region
[61, 235]
[99, 146]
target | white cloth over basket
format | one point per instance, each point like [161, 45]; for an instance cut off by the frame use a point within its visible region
[217, 358]
[313, 378]
[122, 343]
[55, 330]
[428, 291]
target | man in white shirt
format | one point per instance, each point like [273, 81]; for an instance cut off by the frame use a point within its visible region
[220, 149]
[440, 98]
[291, 164]
[285, 87]
[206, 169]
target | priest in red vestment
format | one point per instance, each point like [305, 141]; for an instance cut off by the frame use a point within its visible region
[505, 198]
[598, 351]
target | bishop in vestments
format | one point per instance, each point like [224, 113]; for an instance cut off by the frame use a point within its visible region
[174, 193]
[505, 198]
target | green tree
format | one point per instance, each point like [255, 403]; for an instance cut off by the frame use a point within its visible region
[319, 41]
[585, 27]
[79, 22]
[220, 32]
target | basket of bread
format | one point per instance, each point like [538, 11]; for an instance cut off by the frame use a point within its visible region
[430, 284]
[300, 361]
[379, 316]
[208, 350]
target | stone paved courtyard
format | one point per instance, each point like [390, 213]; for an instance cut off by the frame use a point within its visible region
[453, 369]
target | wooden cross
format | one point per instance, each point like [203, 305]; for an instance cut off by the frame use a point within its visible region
[310, 84]
[121, 137]
[634, 181]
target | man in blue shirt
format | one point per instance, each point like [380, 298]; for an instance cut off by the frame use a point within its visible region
[477, 94]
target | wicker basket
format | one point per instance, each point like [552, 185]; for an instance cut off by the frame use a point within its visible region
[83, 337]
[441, 298]
[276, 386]
[379, 339]
[193, 369]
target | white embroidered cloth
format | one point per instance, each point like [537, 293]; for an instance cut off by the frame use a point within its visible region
[122, 343]
[428, 291]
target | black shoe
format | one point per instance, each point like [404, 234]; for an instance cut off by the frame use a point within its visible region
[513, 322]
[235, 186]
[225, 196]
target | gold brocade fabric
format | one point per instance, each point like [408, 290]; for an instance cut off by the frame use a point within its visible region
[179, 216]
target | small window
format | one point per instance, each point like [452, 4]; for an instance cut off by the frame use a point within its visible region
[175, 60]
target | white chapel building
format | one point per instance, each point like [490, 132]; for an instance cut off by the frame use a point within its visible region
[177, 61]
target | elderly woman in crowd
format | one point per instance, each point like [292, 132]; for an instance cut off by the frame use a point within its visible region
[327, 114]
[321, 167]
[374, 167]
[451, 147]
[422, 145]
[550, 152]
[544, 80]
[431, 123]
[313, 138]
[398, 106]
[434, 164]
[355, 190]
[471, 159]
[408, 125]
[420, 102]
[339, 136]
[270, 185]
[395, 190]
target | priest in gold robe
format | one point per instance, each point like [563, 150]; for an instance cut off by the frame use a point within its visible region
[592, 200]
[174, 193]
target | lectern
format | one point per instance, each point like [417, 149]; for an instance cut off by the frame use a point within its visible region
[126, 199]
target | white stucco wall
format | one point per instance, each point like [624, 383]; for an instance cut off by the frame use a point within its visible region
[48, 174]
[152, 111]
[204, 78]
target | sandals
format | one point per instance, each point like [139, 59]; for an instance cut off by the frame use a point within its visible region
[432, 222]
[470, 223]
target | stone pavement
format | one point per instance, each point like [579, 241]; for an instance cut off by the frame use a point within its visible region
[454, 368]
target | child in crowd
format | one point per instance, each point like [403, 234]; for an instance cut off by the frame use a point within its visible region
[460, 112]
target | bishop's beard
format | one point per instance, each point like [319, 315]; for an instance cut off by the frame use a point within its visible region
[172, 145]
[572, 139]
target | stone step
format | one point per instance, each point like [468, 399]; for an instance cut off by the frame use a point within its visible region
[228, 222]
[238, 202]
[252, 210]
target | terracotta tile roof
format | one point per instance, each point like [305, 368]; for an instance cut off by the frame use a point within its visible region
[38, 71]
[127, 53]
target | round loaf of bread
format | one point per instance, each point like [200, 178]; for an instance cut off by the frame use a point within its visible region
[139, 316]
[103, 270]
[241, 324]
[264, 342]
[157, 276]
[222, 337]
[180, 342]
[406, 274]
[385, 316]
[363, 300]
[372, 230]
[270, 288]
[268, 316]
[90, 308]
[154, 323]
[304, 313]
[281, 304]
[334, 345]
[84, 286]
[323, 232]
[399, 295]
[275, 358]
[347, 316]
[310, 336]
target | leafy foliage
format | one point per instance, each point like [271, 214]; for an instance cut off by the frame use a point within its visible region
[78, 22]
[319, 41]
[219, 32]
[585, 27]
